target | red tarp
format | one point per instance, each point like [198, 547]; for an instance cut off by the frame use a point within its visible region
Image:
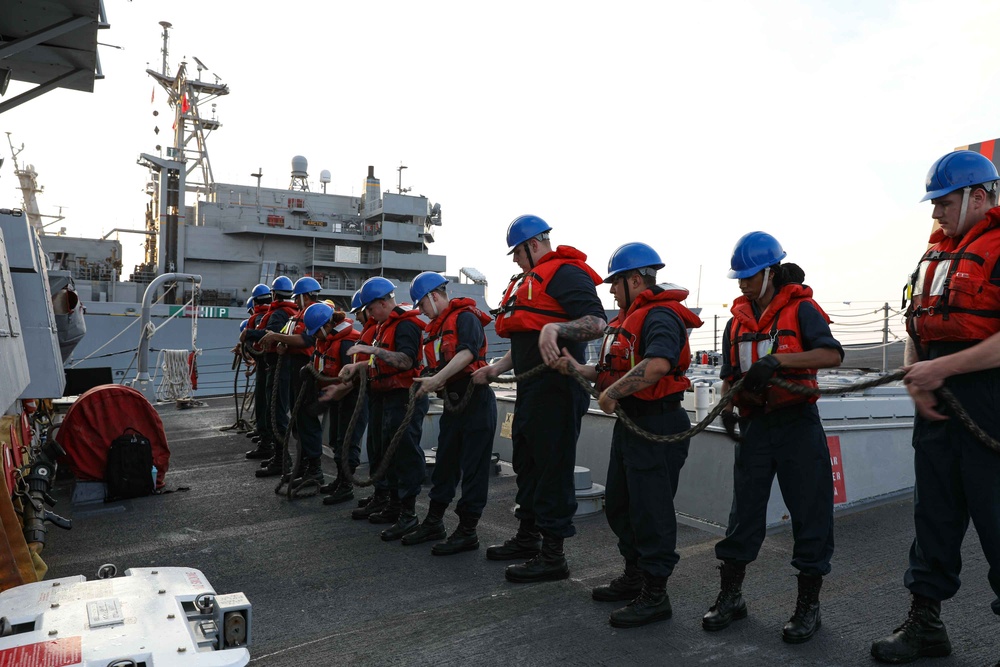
[99, 416]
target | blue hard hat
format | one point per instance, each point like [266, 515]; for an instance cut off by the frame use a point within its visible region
[305, 286]
[523, 228]
[632, 256]
[957, 170]
[753, 253]
[424, 284]
[316, 316]
[282, 284]
[260, 290]
[356, 302]
[243, 324]
[375, 288]
[250, 305]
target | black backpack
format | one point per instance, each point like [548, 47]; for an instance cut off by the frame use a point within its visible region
[129, 469]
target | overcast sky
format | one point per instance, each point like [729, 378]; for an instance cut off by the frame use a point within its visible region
[683, 125]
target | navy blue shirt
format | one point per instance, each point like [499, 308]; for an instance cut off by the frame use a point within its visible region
[815, 334]
[407, 341]
[469, 331]
[576, 293]
[663, 335]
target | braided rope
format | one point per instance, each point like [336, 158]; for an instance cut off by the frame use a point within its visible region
[947, 396]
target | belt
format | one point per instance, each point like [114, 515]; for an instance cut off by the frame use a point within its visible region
[635, 407]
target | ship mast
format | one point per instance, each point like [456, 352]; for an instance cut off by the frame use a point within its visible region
[186, 166]
[28, 178]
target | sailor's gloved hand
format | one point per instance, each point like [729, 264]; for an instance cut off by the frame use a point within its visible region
[730, 421]
[760, 373]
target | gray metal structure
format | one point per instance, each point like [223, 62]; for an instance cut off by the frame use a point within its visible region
[52, 44]
[29, 282]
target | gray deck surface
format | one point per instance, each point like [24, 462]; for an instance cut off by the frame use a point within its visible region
[327, 591]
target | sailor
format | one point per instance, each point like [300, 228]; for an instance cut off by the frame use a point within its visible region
[954, 324]
[777, 330]
[335, 335]
[394, 362]
[297, 345]
[454, 347]
[369, 327]
[641, 368]
[551, 305]
[261, 298]
[274, 320]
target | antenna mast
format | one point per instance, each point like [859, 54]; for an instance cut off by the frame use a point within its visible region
[399, 186]
[166, 41]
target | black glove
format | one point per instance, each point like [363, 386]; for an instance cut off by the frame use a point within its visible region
[760, 373]
[730, 421]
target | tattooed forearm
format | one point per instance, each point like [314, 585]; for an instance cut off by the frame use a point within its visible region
[634, 381]
[394, 359]
[587, 327]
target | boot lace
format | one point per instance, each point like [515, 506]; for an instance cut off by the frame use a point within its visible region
[914, 621]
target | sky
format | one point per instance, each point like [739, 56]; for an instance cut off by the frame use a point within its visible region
[682, 125]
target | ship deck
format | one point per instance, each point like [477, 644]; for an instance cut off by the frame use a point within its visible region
[327, 591]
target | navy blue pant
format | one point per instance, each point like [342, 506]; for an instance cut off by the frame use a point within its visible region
[308, 426]
[262, 402]
[642, 482]
[340, 417]
[790, 442]
[277, 373]
[406, 473]
[547, 415]
[957, 478]
[465, 445]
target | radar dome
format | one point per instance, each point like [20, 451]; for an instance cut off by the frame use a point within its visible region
[300, 165]
[324, 176]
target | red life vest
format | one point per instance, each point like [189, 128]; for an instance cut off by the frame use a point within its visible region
[326, 359]
[382, 376]
[441, 338]
[286, 306]
[259, 312]
[952, 296]
[623, 338]
[296, 326]
[777, 331]
[368, 332]
[526, 306]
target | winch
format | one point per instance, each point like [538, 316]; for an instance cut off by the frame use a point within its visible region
[150, 616]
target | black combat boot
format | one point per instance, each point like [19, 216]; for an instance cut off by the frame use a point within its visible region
[263, 450]
[806, 620]
[525, 544]
[378, 501]
[312, 471]
[651, 605]
[729, 605]
[406, 522]
[276, 465]
[389, 513]
[343, 490]
[625, 586]
[252, 434]
[330, 487]
[464, 537]
[548, 565]
[431, 529]
[922, 635]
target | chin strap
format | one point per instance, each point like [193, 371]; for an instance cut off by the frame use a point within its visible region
[763, 284]
[965, 209]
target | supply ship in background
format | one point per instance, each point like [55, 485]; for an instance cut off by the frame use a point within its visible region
[233, 236]
[325, 589]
